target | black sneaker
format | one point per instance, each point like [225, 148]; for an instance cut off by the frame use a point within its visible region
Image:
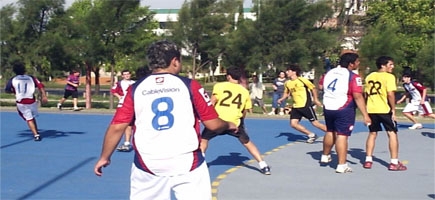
[266, 170]
[37, 138]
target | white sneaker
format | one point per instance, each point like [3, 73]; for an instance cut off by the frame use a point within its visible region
[59, 106]
[325, 159]
[416, 126]
[281, 113]
[343, 170]
[271, 113]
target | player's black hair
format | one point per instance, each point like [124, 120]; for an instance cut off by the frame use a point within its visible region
[235, 72]
[347, 58]
[19, 68]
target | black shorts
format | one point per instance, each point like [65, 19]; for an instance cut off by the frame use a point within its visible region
[384, 119]
[241, 134]
[307, 112]
[72, 93]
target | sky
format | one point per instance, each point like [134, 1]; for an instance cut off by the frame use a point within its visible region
[154, 4]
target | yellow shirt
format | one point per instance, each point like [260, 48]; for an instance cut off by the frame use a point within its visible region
[299, 90]
[232, 99]
[377, 86]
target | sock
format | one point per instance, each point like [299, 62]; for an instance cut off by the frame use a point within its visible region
[126, 143]
[369, 159]
[37, 135]
[311, 135]
[262, 164]
[395, 161]
[341, 166]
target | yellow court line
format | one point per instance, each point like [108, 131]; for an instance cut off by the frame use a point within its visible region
[215, 184]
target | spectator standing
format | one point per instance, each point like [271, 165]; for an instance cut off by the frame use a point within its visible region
[256, 91]
[278, 91]
[23, 86]
[167, 109]
[380, 87]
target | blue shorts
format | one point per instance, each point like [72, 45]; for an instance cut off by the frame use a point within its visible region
[340, 121]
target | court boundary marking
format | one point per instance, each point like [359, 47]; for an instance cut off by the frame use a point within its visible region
[216, 182]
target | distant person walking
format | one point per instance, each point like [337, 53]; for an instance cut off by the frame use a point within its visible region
[72, 83]
[418, 103]
[119, 90]
[343, 92]
[23, 86]
[380, 89]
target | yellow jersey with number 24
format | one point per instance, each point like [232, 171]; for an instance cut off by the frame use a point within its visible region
[231, 100]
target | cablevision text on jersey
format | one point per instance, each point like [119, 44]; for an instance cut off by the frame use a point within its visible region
[160, 91]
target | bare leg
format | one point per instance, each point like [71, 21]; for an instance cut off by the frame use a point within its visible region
[294, 123]
[319, 125]
[410, 117]
[393, 144]
[250, 146]
[75, 102]
[128, 133]
[203, 146]
[370, 143]
[33, 126]
[328, 142]
[341, 148]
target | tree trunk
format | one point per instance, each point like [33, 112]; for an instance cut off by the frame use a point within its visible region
[194, 70]
[88, 88]
[97, 80]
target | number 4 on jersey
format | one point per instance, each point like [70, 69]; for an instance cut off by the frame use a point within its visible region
[331, 85]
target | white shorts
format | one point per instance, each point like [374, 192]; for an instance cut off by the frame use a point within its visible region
[28, 111]
[413, 106]
[194, 185]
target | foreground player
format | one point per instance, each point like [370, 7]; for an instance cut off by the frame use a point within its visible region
[119, 90]
[343, 92]
[231, 101]
[380, 89]
[418, 102]
[23, 86]
[167, 110]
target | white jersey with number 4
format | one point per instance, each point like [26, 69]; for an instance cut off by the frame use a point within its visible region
[338, 85]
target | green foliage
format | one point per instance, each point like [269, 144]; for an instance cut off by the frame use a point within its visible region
[404, 30]
[290, 38]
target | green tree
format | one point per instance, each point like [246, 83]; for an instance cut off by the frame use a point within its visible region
[201, 29]
[284, 32]
[409, 23]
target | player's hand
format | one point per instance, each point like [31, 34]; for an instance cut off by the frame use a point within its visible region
[367, 121]
[44, 100]
[318, 103]
[233, 127]
[98, 169]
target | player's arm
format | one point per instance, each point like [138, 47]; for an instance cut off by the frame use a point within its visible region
[71, 83]
[423, 96]
[9, 88]
[285, 95]
[41, 89]
[115, 90]
[360, 103]
[111, 139]
[121, 120]
[402, 98]
[392, 102]
[316, 97]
